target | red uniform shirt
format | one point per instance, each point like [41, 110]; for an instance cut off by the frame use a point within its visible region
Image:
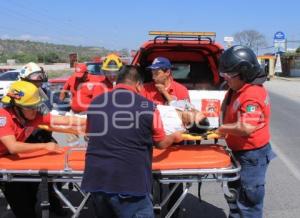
[175, 89]
[250, 105]
[10, 125]
[84, 92]
[104, 86]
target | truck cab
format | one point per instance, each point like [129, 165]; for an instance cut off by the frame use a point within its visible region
[194, 57]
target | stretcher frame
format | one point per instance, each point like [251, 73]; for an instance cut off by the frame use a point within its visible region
[176, 176]
[190, 176]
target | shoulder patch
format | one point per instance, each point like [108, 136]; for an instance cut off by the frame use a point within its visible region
[250, 108]
[2, 121]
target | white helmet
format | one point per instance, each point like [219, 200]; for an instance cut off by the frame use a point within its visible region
[32, 72]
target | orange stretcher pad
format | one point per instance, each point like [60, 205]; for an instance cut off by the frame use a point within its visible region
[175, 157]
[176, 164]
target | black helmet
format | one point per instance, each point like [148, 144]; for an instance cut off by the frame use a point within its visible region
[242, 60]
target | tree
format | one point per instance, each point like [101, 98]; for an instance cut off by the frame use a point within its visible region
[251, 38]
[22, 57]
[298, 50]
[51, 57]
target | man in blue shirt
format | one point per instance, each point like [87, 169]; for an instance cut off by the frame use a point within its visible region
[122, 127]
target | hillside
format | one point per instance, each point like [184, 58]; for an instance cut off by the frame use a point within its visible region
[25, 51]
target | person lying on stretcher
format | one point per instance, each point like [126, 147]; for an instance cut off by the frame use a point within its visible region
[21, 115]
[181, 116]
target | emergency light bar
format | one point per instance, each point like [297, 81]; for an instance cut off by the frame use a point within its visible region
[173, 33]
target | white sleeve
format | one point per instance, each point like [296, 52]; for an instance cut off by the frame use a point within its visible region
[170, 119]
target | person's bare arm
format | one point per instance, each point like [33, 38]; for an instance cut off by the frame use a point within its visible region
[64, 90]
[62, 95]
[238, 129]
[162, 89]
[15, 147]
[169, 140]
[74, 122]
[189, 117]
[67, 120]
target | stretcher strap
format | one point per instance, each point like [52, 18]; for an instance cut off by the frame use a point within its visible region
[191, 137]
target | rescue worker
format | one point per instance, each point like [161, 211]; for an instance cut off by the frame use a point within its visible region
[36, 75]
[84, 87]
[81, 88]
[118, 173]
[163, 89]
[111, 67]
[33, 73]
[19, 117]
[246, 124]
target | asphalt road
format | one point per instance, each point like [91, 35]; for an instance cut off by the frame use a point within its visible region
[283, 177]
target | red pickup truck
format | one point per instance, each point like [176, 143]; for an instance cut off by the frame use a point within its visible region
[194, 57]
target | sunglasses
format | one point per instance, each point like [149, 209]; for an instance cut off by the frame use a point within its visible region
[229, 75]
[37, 76]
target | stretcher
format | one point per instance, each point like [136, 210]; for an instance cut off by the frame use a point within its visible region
[180, 164]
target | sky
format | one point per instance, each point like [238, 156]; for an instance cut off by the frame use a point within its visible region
[118, 24]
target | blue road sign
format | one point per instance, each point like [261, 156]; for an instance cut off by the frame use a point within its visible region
[279, 36]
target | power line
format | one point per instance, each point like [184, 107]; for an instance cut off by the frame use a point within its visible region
[56, 23]
[31, 20]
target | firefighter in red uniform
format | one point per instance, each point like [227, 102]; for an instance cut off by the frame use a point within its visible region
[78, 92]
[82, 89]
[111, 67]
[163, 89]
[246, 124]
[19, 117]
[85, 88]
[36, 75]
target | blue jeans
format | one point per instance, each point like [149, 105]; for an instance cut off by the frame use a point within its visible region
[250, 188]
[122, 206]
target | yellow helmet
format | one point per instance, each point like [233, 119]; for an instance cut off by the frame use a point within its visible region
[24, 94]
[112, 62]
